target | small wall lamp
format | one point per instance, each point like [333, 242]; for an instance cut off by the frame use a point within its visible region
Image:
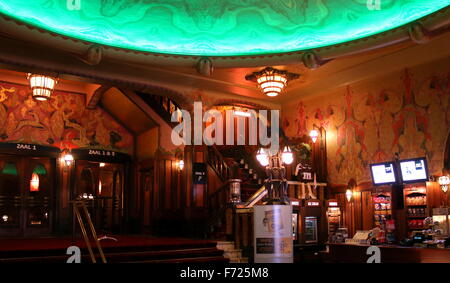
[349, 195]
[314, 134]
[180, 165]
[444, 181]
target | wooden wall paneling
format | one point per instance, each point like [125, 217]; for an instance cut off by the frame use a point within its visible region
[168, 184]
[357, 200]
[367, 211]
[435, 196]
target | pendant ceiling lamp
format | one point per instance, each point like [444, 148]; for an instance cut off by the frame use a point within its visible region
[272, 81]
[42, 86]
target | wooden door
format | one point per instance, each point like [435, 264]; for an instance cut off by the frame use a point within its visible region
[26, 196]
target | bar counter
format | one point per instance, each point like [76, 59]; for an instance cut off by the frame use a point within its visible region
[353, 253]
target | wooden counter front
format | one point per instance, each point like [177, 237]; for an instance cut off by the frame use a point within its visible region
[346, 253]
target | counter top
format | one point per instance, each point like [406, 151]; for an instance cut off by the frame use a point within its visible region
[357, 253]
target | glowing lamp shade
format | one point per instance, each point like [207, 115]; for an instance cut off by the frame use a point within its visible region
[99, 187]
[272, 81]
[181, 164]
[444, 181]
[102, 164]
[349, 195]
[314, 134]
[68, 159]
[34, 183]
[287, 156]
[262, 157]
[41, 86]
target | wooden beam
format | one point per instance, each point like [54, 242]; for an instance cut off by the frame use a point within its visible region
[94, 96]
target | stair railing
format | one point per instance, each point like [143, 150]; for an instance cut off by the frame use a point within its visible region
[81, 204]
[218, 164]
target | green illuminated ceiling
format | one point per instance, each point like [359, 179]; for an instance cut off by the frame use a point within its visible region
[218, 27]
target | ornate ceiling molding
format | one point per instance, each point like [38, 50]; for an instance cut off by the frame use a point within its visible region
[434, 24]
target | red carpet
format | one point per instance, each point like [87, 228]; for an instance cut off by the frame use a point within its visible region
[19, 244]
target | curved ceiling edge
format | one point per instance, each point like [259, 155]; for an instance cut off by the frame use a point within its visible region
[22, 31]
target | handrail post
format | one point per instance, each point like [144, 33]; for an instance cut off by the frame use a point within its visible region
[234, 191]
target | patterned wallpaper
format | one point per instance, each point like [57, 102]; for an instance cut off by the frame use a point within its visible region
[405, 112]
[62, 122]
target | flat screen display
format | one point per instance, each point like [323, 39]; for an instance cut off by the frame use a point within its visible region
[383, 173]
[414, 170]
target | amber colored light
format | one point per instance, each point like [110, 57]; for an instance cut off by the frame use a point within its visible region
[272, 85]
[42, 86]
[34, 183]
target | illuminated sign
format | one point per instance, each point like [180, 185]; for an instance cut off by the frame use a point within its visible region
[332, 203]
[313, 203]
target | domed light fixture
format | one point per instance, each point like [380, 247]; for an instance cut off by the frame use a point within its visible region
[444, 181]
[287, 156]
[272, 81]
[42, 86]
[262, 157]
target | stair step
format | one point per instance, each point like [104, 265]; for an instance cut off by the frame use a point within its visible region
[127, 257]
[187, 260]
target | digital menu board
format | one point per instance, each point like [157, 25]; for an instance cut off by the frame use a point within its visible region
[383, 173]
[414, 170]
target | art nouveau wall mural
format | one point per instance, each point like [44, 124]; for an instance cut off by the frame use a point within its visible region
[62, 122]
[406, 112]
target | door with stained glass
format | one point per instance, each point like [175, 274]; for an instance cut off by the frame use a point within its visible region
[26, 194]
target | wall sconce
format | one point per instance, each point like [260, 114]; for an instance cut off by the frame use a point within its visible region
[349, 195]
[444, 181]
[102, 164]
[41, 86]
[314, 134]
[67, 158]
[180, 165]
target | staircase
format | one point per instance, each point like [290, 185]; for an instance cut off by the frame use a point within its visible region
[230, 252]
[182, 252]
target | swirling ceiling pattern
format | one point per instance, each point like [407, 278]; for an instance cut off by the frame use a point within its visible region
[218, 27]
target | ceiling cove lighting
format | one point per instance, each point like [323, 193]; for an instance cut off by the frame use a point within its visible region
[221, 28]
[41, 86]
[272, 81]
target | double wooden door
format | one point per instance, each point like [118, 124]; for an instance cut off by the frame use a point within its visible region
[102, 184]
[26, 196]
